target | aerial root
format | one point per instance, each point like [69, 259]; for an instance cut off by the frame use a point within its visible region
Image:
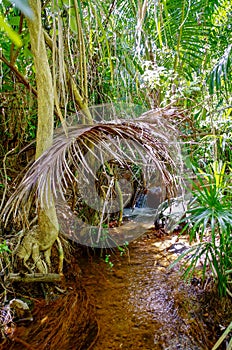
[61, 256]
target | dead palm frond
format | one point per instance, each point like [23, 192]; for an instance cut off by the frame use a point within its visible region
[76, 159]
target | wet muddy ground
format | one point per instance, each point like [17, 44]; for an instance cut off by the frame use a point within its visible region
[120, 299]
[140, 304]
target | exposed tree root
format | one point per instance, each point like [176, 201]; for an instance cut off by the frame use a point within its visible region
[67, 323]
[23, 343]
[34, 277]
[32, 247]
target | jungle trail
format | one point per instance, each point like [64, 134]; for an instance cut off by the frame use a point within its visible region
[121, 298]
[112, 299]
[124, 297]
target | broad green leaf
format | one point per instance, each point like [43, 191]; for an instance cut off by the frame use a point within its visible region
[10, 32]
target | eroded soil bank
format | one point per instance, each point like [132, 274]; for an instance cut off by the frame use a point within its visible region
[130, 301]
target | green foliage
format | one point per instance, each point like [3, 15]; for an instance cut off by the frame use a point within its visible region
[10, 32]
[187, 58]
[123, 249]
[149, 53]
[220, 76]
[209, 221]
[6, 24]
[210, 205]
[4, 248]
[107, 261]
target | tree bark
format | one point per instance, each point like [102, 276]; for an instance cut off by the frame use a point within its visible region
[43, 81]
[43, 237]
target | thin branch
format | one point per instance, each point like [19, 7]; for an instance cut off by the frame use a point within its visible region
[22, 79]
[19, 76]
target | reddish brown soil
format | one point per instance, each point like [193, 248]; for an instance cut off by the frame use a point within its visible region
[135, 304]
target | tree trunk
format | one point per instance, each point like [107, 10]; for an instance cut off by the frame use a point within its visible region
[43, 237]
[43, 81]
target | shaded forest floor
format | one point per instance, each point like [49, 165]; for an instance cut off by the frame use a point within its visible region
[120, 300]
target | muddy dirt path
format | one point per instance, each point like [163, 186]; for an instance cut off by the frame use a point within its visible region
[142, 305]
[131, 301]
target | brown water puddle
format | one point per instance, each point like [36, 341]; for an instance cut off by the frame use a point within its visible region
[142, 305]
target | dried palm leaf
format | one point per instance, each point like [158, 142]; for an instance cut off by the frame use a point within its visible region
[71, 159]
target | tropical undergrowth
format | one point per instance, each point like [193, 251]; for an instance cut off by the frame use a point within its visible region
[209, 225]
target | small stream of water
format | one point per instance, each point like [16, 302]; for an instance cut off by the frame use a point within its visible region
[141, 304]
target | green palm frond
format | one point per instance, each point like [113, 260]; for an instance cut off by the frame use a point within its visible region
[221, 72]
[209, 220]
[186, 28]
